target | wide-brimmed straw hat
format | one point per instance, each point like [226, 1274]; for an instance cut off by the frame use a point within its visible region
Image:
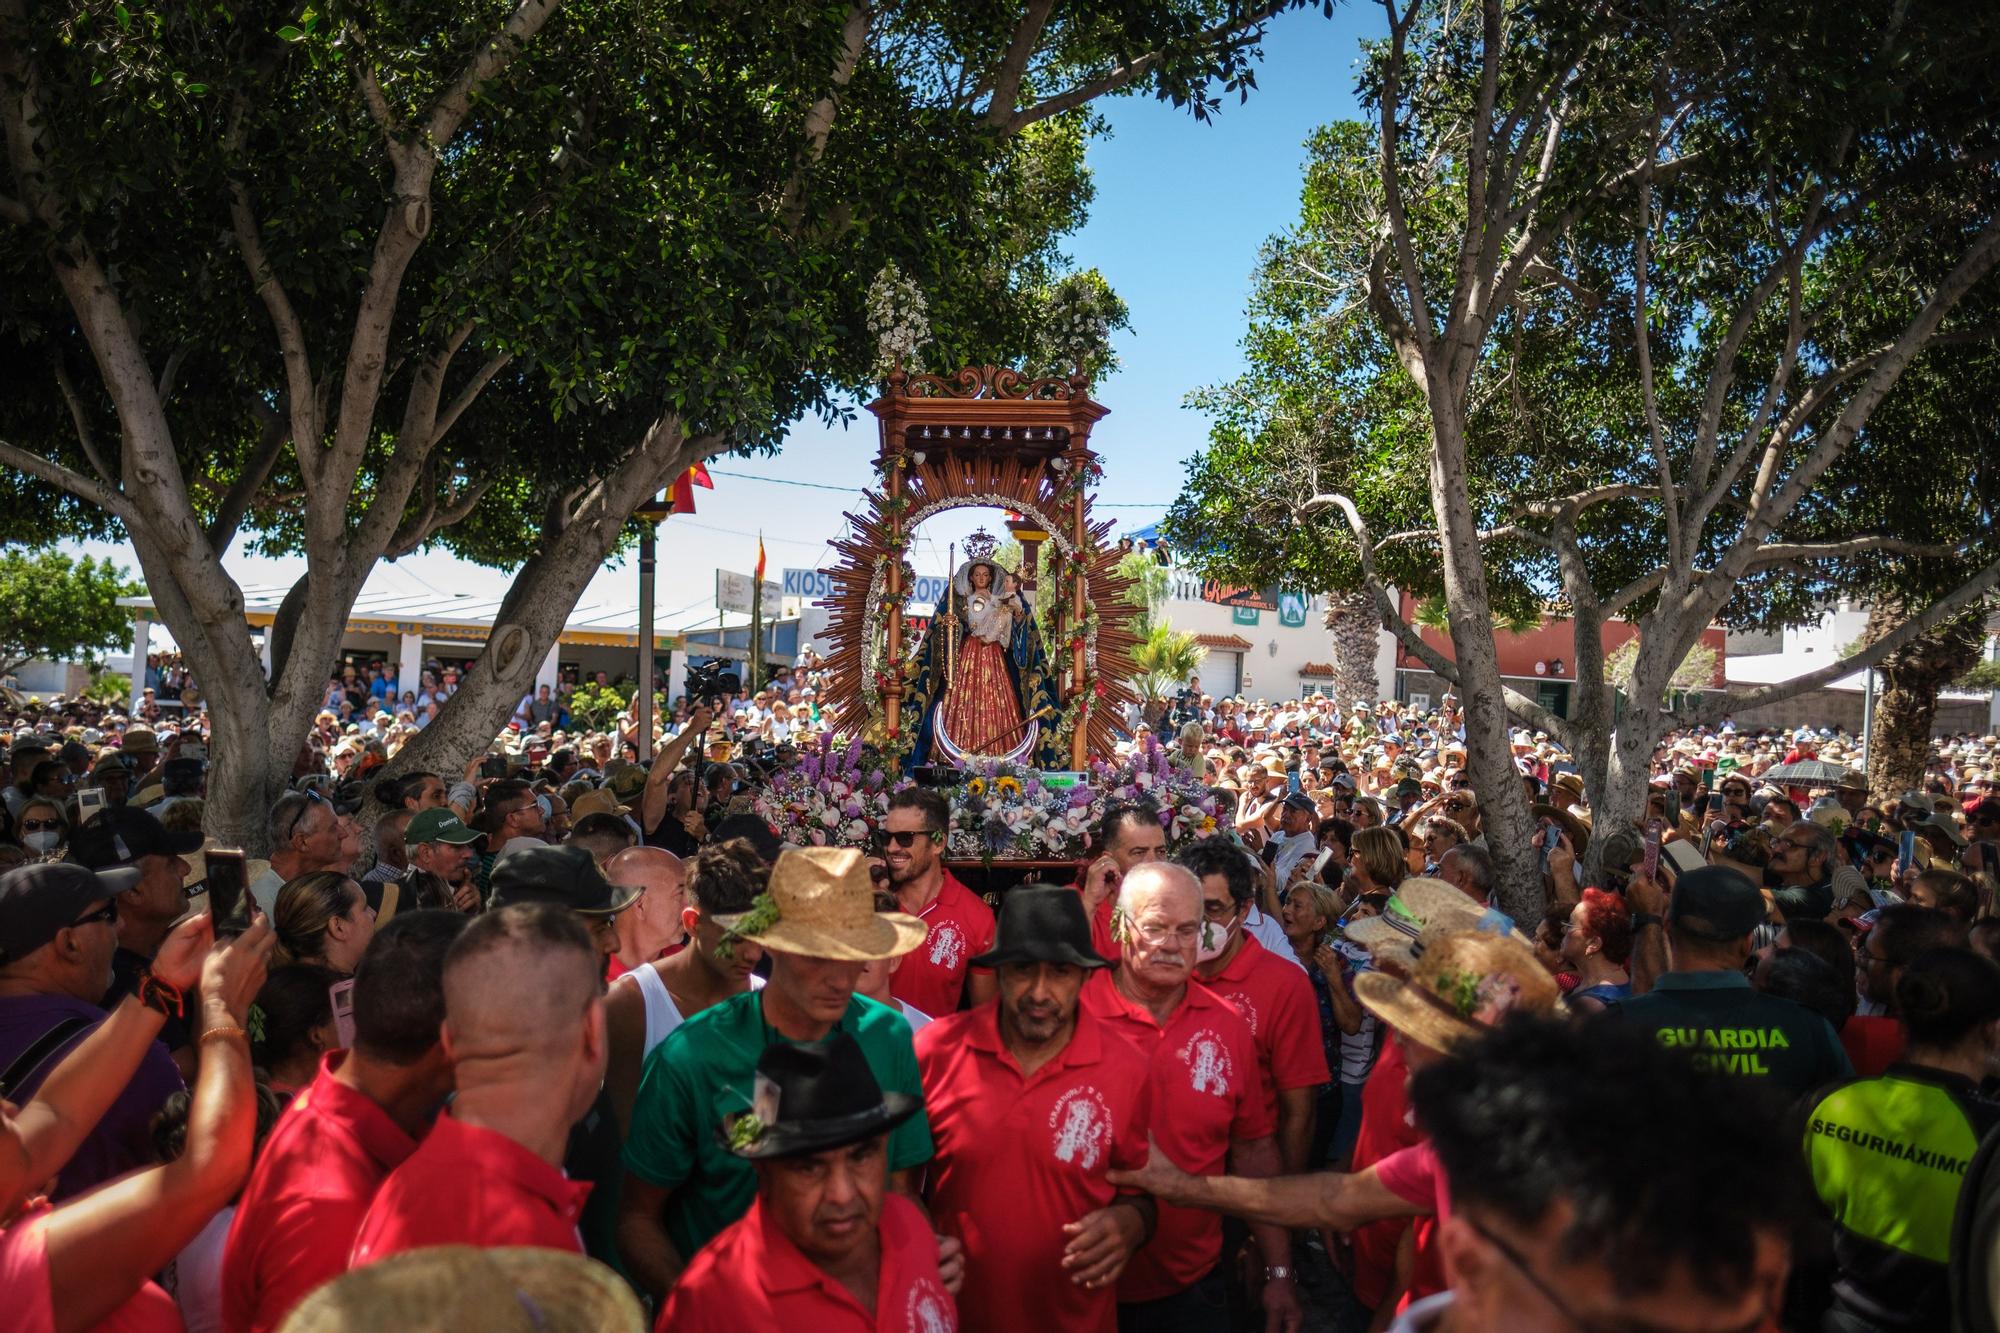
[1461, 988]
[821, 904]
[447, 1288]
[1420, 910]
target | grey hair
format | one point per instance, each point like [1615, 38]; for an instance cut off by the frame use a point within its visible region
[1478, 863]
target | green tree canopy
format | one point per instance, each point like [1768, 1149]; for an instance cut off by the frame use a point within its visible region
[60, 608]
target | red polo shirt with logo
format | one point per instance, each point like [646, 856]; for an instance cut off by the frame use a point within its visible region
[1207, 1093]
[931, 977]
[466, 1185]
[315, 1178]
[1386, 1128]
[1276, 999]
[751, 1276]
[1019, 1158]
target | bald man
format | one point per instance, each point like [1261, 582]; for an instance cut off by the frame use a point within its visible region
[524, 1029]
[652, 924]
[1210, 1108]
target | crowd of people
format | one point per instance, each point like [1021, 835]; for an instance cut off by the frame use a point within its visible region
[583, 1042]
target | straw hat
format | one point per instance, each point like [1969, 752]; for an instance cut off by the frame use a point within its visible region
[1419, 911]
[446, 1288]
[821, 904]
[1464, 984]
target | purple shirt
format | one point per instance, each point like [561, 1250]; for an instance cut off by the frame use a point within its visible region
[123, 1138]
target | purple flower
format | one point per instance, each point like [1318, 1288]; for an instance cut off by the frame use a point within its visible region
[1080, 796]
[852, 809]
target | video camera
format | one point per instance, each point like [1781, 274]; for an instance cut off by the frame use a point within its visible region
[713, 679]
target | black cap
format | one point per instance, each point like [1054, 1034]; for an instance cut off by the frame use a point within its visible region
[1041, 925]
[1298, 800]
[1716, 903]
[114, 839]
[565, 876]
[813, 1098]
[38, 900]
[762, 838]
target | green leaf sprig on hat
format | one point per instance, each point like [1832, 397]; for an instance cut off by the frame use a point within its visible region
[763, 915]
[745, 1130]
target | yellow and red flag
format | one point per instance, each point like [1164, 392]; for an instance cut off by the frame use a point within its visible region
[683, 488]
[760, 557]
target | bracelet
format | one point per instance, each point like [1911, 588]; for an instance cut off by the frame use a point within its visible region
[222, 1032]
[163, 997]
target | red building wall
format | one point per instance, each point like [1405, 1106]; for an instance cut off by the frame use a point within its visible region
[1554, 640]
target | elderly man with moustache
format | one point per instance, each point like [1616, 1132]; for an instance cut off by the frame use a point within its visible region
[1210, 1109]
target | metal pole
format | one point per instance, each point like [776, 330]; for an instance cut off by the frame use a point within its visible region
[648, 534]
[1867, 714]
[756, 673]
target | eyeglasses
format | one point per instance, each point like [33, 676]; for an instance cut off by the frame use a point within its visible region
[40, 825]
[907, 838]
[1219, 911]
[107, 913]
[1583, 1323]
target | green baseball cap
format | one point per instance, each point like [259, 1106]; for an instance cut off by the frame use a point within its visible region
[439, 824]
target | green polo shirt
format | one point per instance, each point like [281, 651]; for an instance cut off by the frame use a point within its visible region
[705, 1070]
[1729, 1028]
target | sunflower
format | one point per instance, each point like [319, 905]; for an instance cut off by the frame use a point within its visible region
[976, 787]
[1007, 785]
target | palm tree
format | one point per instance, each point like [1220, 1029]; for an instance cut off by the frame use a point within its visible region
[1165, 659]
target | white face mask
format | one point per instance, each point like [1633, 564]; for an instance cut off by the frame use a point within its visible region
[41, 842]
[1214, 939]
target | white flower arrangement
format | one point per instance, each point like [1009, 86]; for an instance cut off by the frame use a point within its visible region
[898, 318]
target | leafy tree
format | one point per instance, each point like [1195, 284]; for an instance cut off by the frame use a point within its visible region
[1675, 315]
[60, 609]
[1696, 671]
[362, 278]
[1899, 743]
[1165, 659]
[1146, 588]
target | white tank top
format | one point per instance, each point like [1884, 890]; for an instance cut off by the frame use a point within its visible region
[662, 1014]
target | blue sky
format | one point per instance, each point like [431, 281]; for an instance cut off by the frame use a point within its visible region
[1181, 209]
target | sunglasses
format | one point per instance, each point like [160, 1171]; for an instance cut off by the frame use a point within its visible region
[107, 913]
[40, 825]
[907, 840]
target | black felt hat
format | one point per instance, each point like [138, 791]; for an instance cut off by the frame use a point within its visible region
[814, 1097]
[1042, 925]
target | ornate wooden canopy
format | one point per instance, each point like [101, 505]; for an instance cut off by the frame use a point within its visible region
[985, 437]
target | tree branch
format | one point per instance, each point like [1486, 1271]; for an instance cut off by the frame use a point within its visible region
[14, 211]
[1007, 76]
[302, 401]
[1219, 35]
[256, 470]
[1940, 611]
[492, 58]
[86, 438]
[82, 487]
[469, 394]
[819, 119]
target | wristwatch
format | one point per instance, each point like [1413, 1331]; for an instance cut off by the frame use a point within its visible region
[1277, 1273]
[1640, 920]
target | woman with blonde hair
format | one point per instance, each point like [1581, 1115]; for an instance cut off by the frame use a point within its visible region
[323, 917]
[1377, 861]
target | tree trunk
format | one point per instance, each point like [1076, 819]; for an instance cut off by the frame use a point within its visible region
[1906, 706]
[1503, 802]
[1352, 622]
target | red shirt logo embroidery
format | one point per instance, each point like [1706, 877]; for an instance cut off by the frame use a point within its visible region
[928, 1309]
[1242, 1005]
[1210, 1069]
[947, 945]
[1081, 1123]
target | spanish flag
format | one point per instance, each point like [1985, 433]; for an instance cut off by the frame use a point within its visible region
[760, 557]
[683, 488]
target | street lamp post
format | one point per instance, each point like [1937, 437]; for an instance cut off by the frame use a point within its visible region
[650, 515]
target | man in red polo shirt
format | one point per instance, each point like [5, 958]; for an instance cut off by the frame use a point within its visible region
[359, 1119]
[1031, 1102]
[825, 1246]
[1209, 1105]
[1274, 996]
[939, 973]
[524, 1027]
[1130, 835]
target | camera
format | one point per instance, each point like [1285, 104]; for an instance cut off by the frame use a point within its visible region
[712, 680]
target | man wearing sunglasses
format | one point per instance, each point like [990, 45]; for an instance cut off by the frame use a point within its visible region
[937, 975]
[306, 835]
